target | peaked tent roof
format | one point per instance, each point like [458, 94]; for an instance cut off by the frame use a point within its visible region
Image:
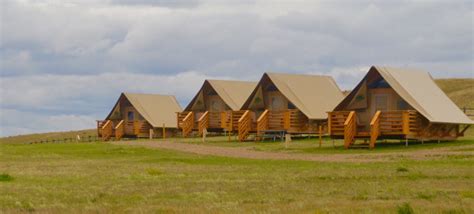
[156, 109]
[314, 95]
[234, 93]
[419, 90]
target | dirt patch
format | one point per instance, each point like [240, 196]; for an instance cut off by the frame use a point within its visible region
[243, 152]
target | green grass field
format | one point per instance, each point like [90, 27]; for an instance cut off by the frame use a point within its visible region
[100, 177]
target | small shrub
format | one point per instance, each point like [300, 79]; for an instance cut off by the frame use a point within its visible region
[454, 211]
[425, 196]
[5, 177]
[405, 208]
[402, 169]
[154, 172]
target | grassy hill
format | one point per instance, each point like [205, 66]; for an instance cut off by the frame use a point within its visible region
[49, 136]
[461, 91]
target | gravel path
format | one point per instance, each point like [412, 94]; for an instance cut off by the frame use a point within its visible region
[245, 152]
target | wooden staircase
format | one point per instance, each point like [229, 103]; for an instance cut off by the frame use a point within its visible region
[107, 129]
[244, 126]
[186, 122]
[344, 123]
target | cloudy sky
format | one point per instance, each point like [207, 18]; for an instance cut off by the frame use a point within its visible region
[63, 63]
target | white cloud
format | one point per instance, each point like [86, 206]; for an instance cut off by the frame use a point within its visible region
[74, 57]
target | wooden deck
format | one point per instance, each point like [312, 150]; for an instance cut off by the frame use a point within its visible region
[116, 129]
[289, 121]
[401, 124]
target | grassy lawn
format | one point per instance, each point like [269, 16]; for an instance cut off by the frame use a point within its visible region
[97, 177]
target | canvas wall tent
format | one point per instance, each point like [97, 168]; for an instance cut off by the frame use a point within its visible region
[211, 104]
[134, 115]
[396, 103]
[288, 103]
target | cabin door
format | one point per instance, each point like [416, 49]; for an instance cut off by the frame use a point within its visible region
[215, 104]
[380, 103]
[276, 101]
[130, 117]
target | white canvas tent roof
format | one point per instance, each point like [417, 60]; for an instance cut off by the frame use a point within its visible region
[419, 90]
[233, 93]
[156, 109]
[314, 95]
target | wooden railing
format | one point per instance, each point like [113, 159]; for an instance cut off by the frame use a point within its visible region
[350, 129]
[399, 122]
[374, 129]
[187, 124]
[225, 120]
[336, 121]
[244, 125]
[119, 130]
[180, 116]
[262, 123]
[203, 123]
[106, 130]
[214, 120]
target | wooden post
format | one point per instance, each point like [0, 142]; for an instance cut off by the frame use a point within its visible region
[320, 135]
[405, 123]
[287, 140]
[150, 134]
[164, 131]
[204, 134]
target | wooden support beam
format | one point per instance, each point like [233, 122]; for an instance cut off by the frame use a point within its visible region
[320, 135]
[461, 133]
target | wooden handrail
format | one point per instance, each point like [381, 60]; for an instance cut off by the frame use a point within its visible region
[203, 123]
[106, 130]
[262, 123]
[244, 125]
[188, 124]
[242, 118]
[374, 129]
[263, 116]
[350, 129]
[119, 130]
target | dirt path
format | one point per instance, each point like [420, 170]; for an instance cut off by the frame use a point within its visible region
[245, 152]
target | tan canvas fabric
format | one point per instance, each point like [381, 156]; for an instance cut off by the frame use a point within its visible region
[419, 90]
[234, 93]
[312, 94]
[156, 109]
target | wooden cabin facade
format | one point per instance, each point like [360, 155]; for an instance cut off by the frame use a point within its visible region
[286, 103]
[393, 103]
[136, 115]
[212, 105]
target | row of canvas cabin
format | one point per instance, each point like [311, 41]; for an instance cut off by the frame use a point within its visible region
[387, 103]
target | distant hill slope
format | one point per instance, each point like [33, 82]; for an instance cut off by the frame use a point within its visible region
[49, 136]
[461, 91]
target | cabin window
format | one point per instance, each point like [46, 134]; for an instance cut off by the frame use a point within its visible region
[402, 105]
[381, 83]
[212, 92]
[291, 106]
[130, 116]
[271, 88]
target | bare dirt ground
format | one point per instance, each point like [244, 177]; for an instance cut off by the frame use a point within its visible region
[245, 152]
